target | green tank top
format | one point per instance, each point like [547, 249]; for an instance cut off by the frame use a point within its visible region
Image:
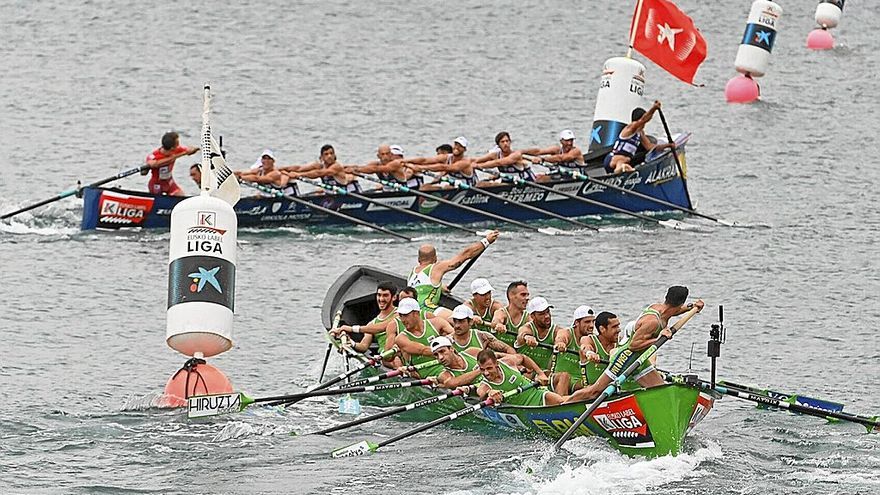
[603, 354]
[649, 311]
[473, 342]
[511, 379]
[470, 364]
[487, 315]
[428, 335]
[427, 294]
[381, 338]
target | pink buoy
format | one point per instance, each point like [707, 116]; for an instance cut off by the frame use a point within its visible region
[741, 89]
[196, 377]
[820, 39]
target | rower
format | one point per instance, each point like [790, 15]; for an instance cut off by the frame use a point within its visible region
[566, 154]
[506, 160]
[507, 320]
[161, 165]
[375, 330]
[464, 337]
[414, 334]
[651, 324]
[195, 173]
[632, 138]
[326, 168]
[597, 347]
[500, 377]
[427, 276]
[454, 164]
[390, 167]
[481, 301]
[541, 329]
[461, 367]
[584, 317]
[263, 171]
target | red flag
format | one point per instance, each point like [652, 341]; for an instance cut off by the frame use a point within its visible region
[668, 37]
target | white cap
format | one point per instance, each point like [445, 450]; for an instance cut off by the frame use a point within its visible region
[537, 305]
[583, 311]
[439, 342]
[267, 152]
[407, 305]
[462, 312]
[481, 286]
[566, 135]
[462, 141]
[396, 150]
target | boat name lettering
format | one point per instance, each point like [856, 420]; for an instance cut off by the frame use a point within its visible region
[404, 202]
[529, 195]
[661, 175]
[217, 404]
[120, 209]
[351, 206]
[477, 199]
[252, 211]
[556, 427]
[628, 422]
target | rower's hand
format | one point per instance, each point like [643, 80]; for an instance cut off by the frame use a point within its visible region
[536, 160]
[499, 328]
[496, 396]
[492, 236]
[590, 356]
[559, 347]
[434, 381]
[145, 171]
[542, 378]
[193, 151]
[667, 332]
[656, 105]
[464, 389]
[699, 304]
[530, 341]
[476, 320]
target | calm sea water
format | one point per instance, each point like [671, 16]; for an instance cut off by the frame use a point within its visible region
[87, 89]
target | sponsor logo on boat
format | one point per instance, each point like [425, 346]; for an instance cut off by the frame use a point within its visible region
[427, 205]
[404, 202]
[503, 419]
[527, 195]
[276, 206]
[253, 211]
[556, 424]
[701, 409]
[212, 405]
[122, 209]
[476, 199]
[662, 175]
[351, 206]
[624, 421]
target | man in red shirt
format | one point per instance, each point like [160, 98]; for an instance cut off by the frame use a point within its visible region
[161, 163]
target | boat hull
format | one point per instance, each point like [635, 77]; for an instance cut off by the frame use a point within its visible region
[659, 178]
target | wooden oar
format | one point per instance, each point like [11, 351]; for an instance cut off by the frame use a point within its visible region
[803, 400]
[471, 209]
[342, 191]
[466, 187]
[614, 385]
[75, 190]
[672, 224]
[367, 447]
[390, 412]
[577, 175]
[204, 406]
[328, 211]
[872, 423]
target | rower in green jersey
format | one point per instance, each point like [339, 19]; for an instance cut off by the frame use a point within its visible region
[414, 335]
[499, 377]
[542, 330]
[596, 348]
[461, 367]
[481, 300]
[375, 330]
[427, 276]
[652, 323]
[465, 337]
[507, 320]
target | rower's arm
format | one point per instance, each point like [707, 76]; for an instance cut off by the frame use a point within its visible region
[491, 342]
[441, 267]
[511, 159]
[412, 348]
[301, 168]
[550, 150]
[168, 159]
[562, 338]
[643, 336]
[461, 380]
[485, 158]
[573, 155]
[442, 325]
[499, 318]
[364, 343]
[426, 160]
[521, 334]
[483, 390]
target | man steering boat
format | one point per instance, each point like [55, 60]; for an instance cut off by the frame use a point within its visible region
[652, 323]
[376, 329]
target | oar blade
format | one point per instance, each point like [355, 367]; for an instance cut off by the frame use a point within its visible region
[679, 225]
[361, 448]
[205, 406]
[349, 405]
[551, 231]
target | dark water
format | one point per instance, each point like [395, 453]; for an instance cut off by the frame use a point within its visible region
[88, 88]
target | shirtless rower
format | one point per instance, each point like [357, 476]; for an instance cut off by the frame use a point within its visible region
[507, 320]
[461, 367]
[542, 330]
[264, 172]
[500, 377]
[506, 160]
[566, 154]
[464, 337]
[390, 167]
[375, 330]
[326, 168]
[454, 165]
[481, 301]
[652, 323]
[427, 276]
[630, 139]
[414, 335]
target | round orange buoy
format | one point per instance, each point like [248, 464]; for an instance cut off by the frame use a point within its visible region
[196, 377]
[820, 39]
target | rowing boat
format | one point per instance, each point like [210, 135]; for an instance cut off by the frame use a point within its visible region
[658, 177]
[639, 422]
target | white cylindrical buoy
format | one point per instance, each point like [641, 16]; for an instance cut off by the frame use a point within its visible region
[620, 92]
[828, 13]
[201, 276]
[753, 55]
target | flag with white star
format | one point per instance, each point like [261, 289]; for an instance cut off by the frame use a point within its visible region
[667, 36]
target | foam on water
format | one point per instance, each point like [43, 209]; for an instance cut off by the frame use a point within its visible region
[602, 470]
